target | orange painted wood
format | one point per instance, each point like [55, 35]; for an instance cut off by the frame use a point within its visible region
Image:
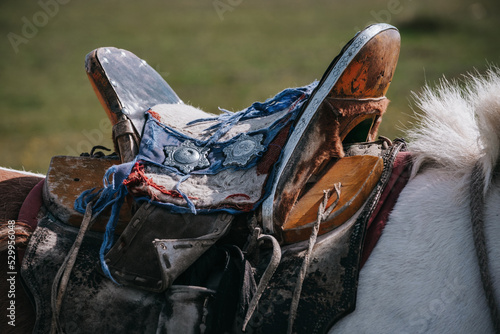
[371, 71]
[358, 176]
[67, 178]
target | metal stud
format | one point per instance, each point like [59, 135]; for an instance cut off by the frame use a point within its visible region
[243, 150]
[186, 156]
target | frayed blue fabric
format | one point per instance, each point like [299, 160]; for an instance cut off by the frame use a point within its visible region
[190, 203]
[156, 136]
[110, 191]
[229, 119]
[112, 194]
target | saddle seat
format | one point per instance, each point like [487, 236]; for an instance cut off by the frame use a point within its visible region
[357, 175]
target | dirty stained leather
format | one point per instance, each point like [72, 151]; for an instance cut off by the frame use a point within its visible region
[330, 285]
[195, 303]
[94, 304]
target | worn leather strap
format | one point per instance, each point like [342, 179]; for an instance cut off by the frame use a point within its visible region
[477, 204]
[399, 178]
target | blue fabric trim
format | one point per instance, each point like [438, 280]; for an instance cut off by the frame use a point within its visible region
[157, 135]
[111, 194]
[190, 204]
[182, 210]
[109, 234]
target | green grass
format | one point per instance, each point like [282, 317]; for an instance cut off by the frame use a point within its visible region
[259, 48]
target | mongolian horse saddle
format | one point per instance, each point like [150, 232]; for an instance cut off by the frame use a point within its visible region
[200, 207]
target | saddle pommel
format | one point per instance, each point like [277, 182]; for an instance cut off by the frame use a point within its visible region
[126, 87]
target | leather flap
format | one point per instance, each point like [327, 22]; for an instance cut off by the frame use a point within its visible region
[67, 178]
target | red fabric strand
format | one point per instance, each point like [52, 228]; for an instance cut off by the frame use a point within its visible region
[138, 178]
[155, 115]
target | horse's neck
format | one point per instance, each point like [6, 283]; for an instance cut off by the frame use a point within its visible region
[423, 275]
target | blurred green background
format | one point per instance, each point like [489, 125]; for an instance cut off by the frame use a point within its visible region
[216, 53]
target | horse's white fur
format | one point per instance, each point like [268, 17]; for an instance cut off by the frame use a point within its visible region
[423, 276]
[26, 173]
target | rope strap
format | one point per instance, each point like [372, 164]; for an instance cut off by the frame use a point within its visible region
[62, 277]
[266, 277]
[276, 258]
[477, 219]
[322, 216]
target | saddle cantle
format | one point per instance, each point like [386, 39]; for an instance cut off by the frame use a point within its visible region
[187, 178]
[346, 107]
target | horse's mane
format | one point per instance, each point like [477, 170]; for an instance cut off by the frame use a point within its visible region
[458, 124]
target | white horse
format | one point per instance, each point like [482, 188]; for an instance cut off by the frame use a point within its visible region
[423, 276]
